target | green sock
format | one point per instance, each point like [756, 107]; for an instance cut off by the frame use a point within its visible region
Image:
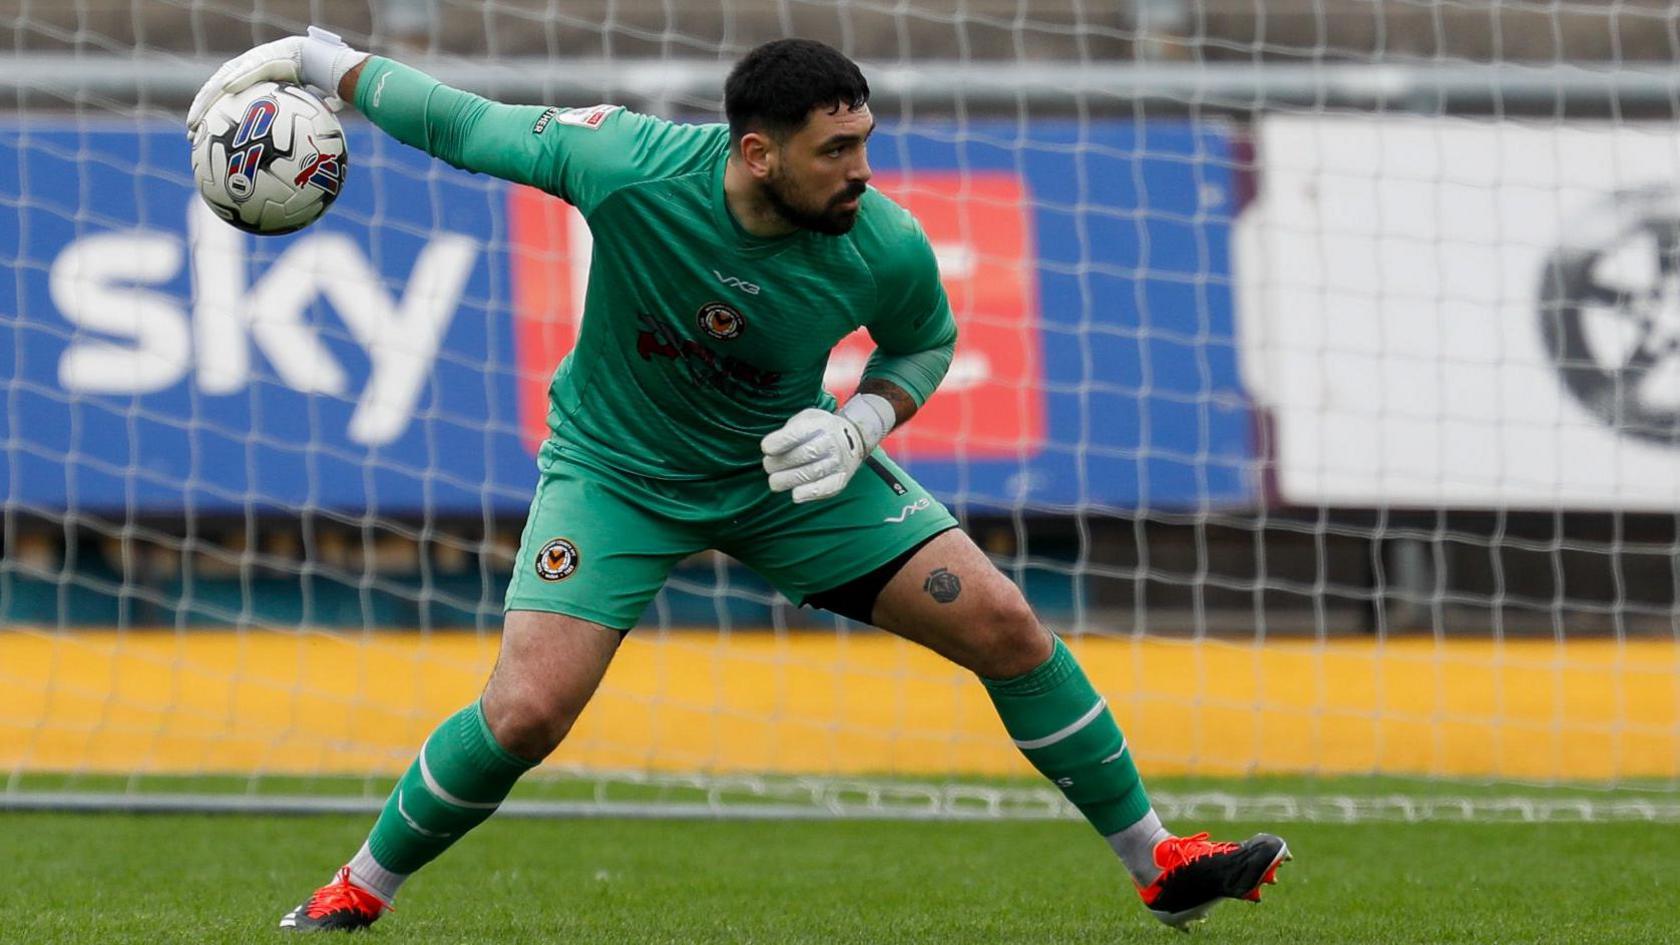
[459, 779]
[1065, 729]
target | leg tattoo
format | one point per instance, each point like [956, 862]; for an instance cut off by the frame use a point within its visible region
[943, 586]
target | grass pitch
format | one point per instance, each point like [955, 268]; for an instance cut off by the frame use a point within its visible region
[116, 878]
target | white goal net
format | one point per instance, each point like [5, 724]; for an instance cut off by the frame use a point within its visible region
[1319, 381]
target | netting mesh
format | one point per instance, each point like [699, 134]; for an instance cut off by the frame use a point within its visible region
[1319, 381]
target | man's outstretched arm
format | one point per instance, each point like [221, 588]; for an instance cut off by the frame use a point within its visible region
[467, 131]
[528, 144]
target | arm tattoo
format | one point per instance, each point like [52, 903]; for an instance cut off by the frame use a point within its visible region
[903, 405]
[943, 586]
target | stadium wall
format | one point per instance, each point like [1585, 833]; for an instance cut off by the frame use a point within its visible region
[138, 703]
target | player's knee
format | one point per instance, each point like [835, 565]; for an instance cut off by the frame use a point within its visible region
[1014, 643]
[526, 724]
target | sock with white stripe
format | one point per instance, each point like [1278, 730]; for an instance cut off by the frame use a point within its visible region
[459, 779]
[1064, 728]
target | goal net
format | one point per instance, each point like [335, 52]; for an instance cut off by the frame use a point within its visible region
[1319, 382]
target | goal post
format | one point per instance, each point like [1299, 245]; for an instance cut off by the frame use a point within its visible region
[1322, 398]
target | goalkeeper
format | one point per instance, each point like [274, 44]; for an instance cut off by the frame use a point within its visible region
[728, 261]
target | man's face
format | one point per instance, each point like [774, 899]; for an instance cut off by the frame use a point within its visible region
[820, 172]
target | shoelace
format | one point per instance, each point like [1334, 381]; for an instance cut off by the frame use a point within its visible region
[1182, 850]
[343, 894]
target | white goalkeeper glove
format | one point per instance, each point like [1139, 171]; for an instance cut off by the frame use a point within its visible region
[318, 60]
[816, 452]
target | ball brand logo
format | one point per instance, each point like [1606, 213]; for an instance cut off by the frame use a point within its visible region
[721, 321]
[325, 171]
[245, 151]
[557, 560]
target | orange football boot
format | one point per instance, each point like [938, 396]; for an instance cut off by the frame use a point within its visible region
[339, 906]
[1197, 873]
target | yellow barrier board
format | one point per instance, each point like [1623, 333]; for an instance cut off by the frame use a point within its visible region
[860, 703]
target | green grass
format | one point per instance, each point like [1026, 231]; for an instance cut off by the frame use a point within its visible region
[110, 879]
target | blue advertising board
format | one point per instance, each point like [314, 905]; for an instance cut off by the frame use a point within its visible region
[156, 361]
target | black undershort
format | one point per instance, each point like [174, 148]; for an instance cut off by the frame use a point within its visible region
[855, 599]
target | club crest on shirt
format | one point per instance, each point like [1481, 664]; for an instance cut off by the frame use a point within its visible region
[557, 560]
[703, 366]
[721, 321]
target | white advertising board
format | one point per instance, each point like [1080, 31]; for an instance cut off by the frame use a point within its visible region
[1441, 312]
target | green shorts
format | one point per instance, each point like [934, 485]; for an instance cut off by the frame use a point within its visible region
[599, 543]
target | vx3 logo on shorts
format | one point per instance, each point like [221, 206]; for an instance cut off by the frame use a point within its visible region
[734, 283]
[909, 510]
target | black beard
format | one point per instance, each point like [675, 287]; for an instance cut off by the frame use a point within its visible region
[828, 221]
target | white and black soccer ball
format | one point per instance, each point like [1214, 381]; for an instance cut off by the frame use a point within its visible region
[269, 159]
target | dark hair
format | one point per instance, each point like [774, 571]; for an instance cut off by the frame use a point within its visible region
[774, 87]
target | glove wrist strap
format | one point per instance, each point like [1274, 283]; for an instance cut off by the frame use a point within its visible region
[874, 417]
[326, 60]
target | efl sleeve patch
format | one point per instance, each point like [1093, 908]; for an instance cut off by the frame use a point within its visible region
[590, 118]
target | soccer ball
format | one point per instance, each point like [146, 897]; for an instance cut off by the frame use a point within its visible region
[269, 159]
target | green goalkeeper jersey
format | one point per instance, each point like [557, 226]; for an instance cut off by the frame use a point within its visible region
[697, 338]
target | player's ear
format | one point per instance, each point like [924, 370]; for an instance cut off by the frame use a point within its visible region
[757, 153]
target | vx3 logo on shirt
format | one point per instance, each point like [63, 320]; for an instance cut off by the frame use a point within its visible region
[748, 287]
